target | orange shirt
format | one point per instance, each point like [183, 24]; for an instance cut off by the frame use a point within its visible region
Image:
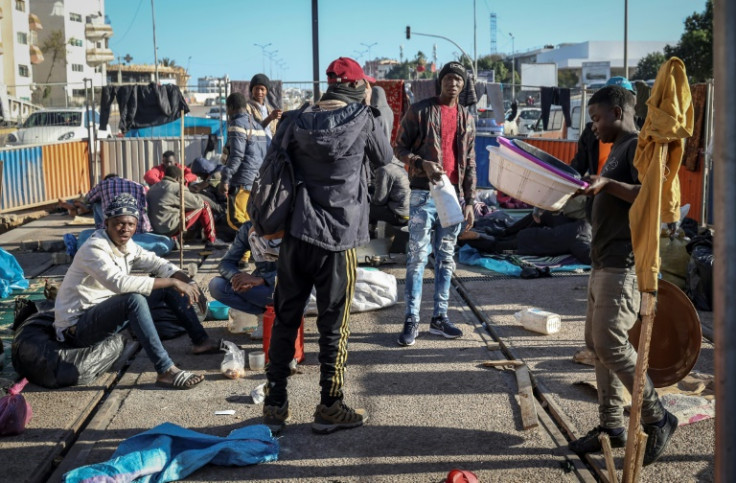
[604, 149]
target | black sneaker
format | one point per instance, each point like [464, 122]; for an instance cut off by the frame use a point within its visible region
[441, 325]
[275, 417]
[215, 245]
[659, 438]
[338, 416]
[591, 444]
[411, 331]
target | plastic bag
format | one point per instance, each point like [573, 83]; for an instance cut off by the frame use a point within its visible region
[11, 274]
[699, 281]
[445, 200]
[233, 364]
[15, 412]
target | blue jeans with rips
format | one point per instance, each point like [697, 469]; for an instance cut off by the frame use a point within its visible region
[252, 301]
[114, 314]
[426, 235]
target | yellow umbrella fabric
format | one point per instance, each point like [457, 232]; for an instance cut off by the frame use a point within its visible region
[658, 157]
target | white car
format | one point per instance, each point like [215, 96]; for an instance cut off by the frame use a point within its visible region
[522, 124]
[217, 112]
[55, 125]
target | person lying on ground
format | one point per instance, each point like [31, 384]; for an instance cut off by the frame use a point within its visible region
[613, 294]
[243, 291]
[541, 233]
[99, 297]
[165, 203]
[157, 173]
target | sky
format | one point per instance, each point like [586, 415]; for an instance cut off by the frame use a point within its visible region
[218, 37]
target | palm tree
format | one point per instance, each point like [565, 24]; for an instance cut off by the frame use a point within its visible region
[166, 62]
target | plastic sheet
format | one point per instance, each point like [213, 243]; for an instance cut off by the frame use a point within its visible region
[11, 274]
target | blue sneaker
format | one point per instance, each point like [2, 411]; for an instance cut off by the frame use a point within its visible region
[441, 325]
[411, 331]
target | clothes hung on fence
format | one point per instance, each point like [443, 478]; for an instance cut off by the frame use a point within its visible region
[494, 99]
[274, 96]
[143, 105]
[694, 148]
[558, 97]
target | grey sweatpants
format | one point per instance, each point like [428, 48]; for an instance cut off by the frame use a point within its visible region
[613, 307]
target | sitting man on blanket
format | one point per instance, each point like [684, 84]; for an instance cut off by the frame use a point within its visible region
[99, 297]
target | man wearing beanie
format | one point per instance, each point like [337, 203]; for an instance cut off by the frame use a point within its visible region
[258, 106]
[332, 143]
[99, 297]
[436, 137]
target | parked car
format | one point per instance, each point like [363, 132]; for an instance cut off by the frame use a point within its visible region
[486, 122]
[54, 125]
[556, 128]
[521, 125]
[217, 112]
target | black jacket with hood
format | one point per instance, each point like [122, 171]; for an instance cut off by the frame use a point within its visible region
[333, 143]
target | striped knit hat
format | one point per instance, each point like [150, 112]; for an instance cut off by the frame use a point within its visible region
[122, 205]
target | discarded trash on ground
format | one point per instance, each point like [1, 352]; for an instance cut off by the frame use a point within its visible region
[233, 364]
[538, 320]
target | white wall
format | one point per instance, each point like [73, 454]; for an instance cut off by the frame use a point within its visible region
[573, 55]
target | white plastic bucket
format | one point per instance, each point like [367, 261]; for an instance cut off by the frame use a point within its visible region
[538, 320]
[240, 322]
[445, 200]
[520, 178]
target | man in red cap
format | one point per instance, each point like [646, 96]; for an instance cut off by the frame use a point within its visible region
[331, 144]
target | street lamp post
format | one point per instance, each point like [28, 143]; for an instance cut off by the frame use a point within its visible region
[155, 49]
[472, 66]
[368, 46]
[513, 70]
[271, 54]
[263, 53]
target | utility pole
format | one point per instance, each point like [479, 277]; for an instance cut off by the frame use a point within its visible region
[315, 49]
[155, 49]
[475, 42]
[513, 70]
[626, 38]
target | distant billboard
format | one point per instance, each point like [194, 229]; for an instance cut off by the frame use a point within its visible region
[539, 75]
[595, 72]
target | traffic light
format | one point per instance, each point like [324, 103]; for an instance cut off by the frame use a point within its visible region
[408, 32]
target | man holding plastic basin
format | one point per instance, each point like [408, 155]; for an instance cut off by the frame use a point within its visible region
[99, 297]
[436, 137]
[613, 294]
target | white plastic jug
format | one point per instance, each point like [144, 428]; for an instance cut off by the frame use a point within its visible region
[538, 320]
[445, 200]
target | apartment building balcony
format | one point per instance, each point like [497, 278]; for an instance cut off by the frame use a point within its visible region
[97, 31]
[34, 23]
[36, 54]
[97, 57]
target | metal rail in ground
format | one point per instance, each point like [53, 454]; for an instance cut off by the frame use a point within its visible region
[552, 417]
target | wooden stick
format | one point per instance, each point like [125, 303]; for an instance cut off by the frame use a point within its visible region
[182, 225]
[648, 307]
[610, 465]
[641, 445]
[526, 398]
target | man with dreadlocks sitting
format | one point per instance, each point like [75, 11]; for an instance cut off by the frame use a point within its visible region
[99, 297]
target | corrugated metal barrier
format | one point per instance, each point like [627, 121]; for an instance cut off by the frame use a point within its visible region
[37, 175]
[131, 157]
[562, 149]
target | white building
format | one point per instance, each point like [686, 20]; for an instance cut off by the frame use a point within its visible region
[572, 56]
[18, 34]
[211, 85]
[85, 33]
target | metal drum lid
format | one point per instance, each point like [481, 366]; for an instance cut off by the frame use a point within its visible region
[676, 336]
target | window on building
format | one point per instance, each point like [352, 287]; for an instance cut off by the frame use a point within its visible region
[76, 42]
[23, 70]
[20, 5]
[75, 17]
[78, 93]
[77, 68]
[22, 38]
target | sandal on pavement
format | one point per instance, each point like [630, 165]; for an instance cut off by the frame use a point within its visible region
[181, 381]
[214, 349]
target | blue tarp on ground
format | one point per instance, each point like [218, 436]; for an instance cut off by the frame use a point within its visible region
[470, 256]
[173, 129]
[169, 452]
[11, 274]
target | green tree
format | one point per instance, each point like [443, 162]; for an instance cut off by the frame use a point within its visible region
[567, 78]
[648, 65]
[695, 47]
[167, 62]
[54, 44]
